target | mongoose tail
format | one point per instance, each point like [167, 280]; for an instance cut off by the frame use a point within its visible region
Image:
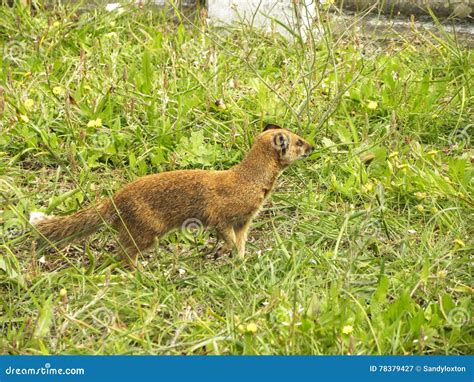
[80, 224]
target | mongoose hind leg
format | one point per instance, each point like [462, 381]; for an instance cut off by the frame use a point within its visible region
[133, 242]
[137, 228]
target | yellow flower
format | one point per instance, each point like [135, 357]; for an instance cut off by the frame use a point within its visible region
[420, 195]
[95, 123]
[434, 210]
[63, 292]
[327, 3]
[24, 118]
[56, 24]
[251, 328]
[459, 243]
[393, 155]
[420, 208]
[29, 103]
[442, 273]
[347, 329]
[241, 328]
[58, 90]
[368, 187]
[372, 105]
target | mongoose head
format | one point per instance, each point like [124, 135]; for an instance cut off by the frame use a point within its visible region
[287, 146]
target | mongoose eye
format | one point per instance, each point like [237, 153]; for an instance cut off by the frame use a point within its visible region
[299, 143]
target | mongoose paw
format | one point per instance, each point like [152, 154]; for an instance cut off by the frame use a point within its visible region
[221, 252]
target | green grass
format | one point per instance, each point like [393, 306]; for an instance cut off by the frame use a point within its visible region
[364, 248]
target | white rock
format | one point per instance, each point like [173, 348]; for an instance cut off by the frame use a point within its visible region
[265, 14]
[110, 7]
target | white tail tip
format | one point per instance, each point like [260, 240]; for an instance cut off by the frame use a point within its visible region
[35, 217]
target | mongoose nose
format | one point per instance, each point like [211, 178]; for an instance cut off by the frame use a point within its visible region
[308, 151]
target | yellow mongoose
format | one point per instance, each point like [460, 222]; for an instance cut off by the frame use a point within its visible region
[155, 204]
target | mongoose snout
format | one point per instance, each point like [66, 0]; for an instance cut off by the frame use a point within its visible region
[151, 206]
[309, 150]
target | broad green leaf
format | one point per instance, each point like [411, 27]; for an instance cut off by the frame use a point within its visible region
[45, 319]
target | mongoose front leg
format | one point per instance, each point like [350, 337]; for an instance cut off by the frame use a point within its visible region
[241, 233]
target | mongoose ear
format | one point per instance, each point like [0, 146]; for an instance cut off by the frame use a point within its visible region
[281, 142]
[271, 127]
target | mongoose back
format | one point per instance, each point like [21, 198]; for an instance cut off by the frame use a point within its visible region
[151, 206]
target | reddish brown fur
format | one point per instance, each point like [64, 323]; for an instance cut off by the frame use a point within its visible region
[155, 204]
